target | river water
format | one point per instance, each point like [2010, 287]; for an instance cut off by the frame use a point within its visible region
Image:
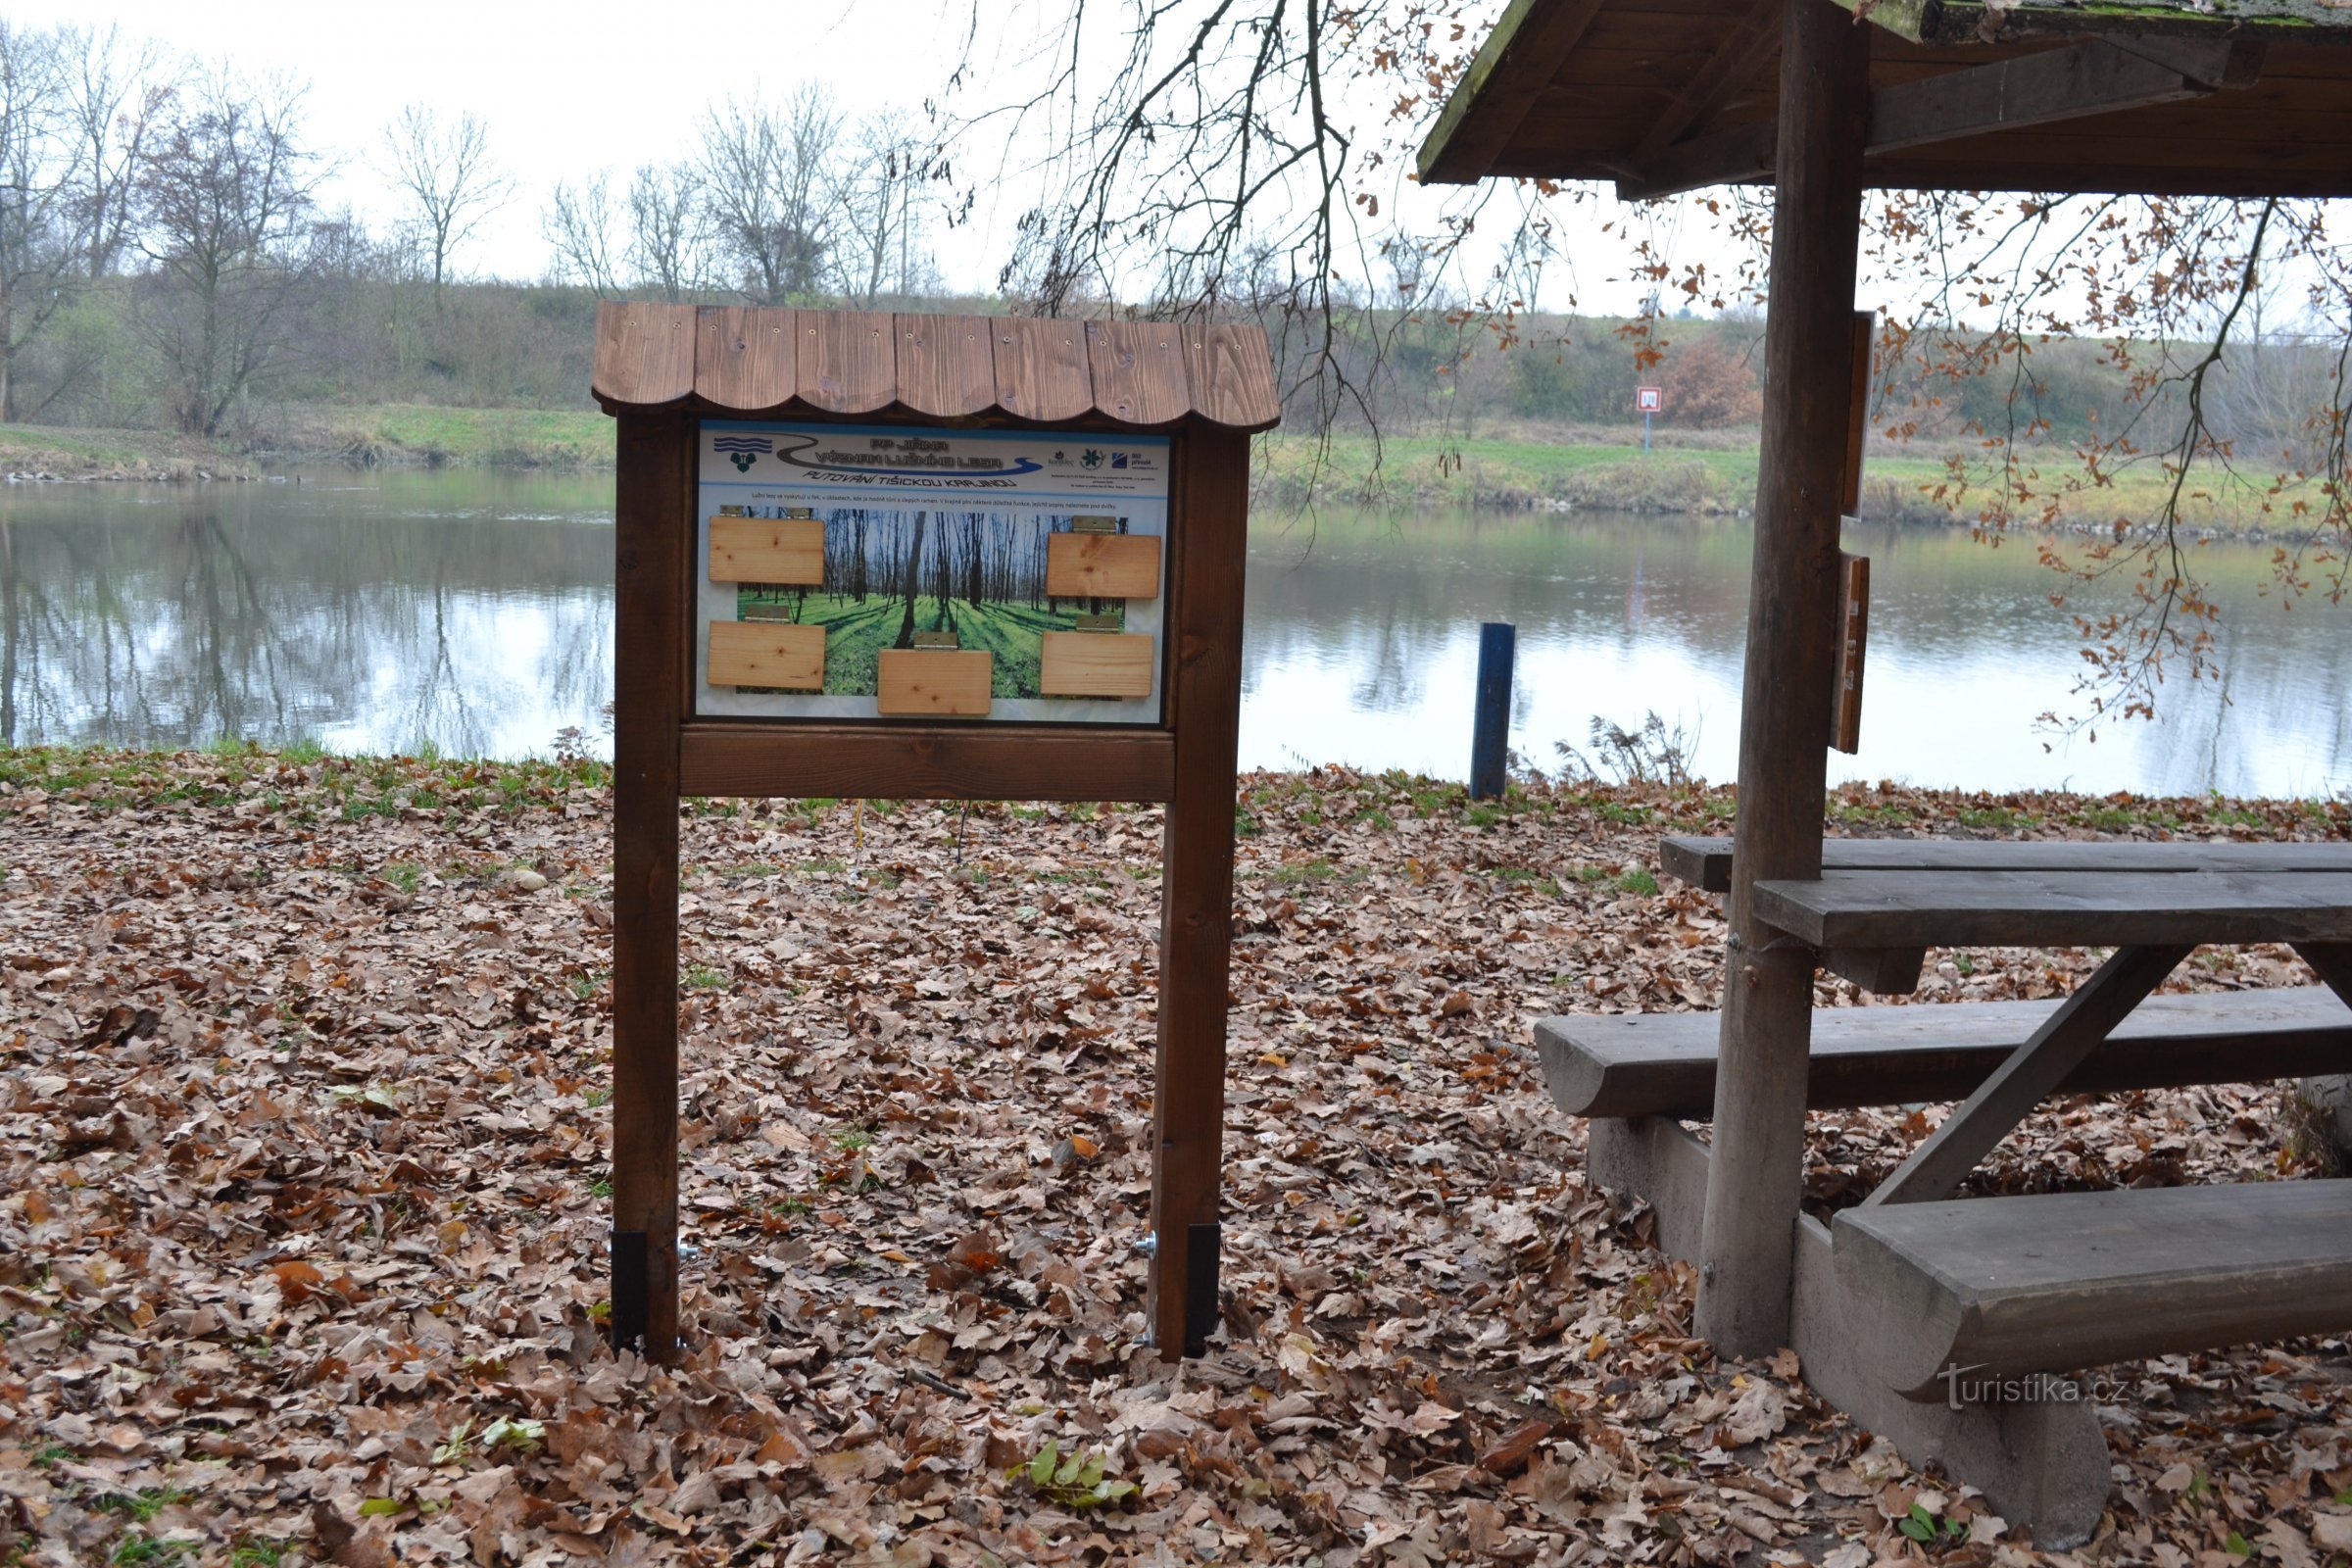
[472, 612]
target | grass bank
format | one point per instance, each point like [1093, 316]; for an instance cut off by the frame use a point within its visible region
[47, 452]
[1684, 472]
[1569, 468]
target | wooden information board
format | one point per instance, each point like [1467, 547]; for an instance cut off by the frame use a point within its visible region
[927, 558]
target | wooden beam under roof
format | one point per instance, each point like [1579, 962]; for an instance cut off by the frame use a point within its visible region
[1746, 44]
[2085, 78]
[2090, 78]
[1951, 22]
[1513, 66]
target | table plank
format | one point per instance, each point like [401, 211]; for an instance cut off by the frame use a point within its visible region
[1911, 908]
[1706, 862]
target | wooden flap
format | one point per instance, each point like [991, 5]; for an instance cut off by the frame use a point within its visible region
[848, 361]
[1090, 664]
[767, 653]
[644, 353]
[778, 550]
[1103, 566]
[1138, 370]
[1041, 368]
[946, 365]
[933, 682]
[746, 358]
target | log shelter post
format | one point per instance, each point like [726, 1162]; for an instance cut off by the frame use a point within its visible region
[1755, 1179]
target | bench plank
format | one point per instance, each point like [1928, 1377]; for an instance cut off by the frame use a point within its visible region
[1706, 862]
[2061, 1282]
[2062, 908]
[1663, 1063]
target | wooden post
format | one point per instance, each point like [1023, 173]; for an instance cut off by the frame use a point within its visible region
[652, 590]
[1491, 728]
[1754, 1179]
[1211, 497]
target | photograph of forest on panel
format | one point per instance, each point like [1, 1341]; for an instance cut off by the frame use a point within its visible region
[892, 571]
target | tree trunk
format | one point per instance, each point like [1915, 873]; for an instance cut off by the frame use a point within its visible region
[914, 583]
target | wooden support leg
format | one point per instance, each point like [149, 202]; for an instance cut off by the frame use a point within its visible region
[1660, 1161]
[2331, 1097]
[1204, 692]
[650, 593]
[1791, 642]
[2032, 1072]
[2040, 1464]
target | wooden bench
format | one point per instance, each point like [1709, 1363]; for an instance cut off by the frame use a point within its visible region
[1663, 1063]
[2006, 1287]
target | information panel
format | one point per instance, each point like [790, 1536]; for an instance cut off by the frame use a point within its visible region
[862, 571]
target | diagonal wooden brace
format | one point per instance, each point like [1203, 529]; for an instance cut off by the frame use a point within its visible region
[2033, 1071]
[2332, 962]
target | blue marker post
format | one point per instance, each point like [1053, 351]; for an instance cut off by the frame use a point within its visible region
[1490, 738]
[1645, 418]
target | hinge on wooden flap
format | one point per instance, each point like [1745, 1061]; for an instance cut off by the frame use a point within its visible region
[936, 639]
[1093, 525]
[1104, 622]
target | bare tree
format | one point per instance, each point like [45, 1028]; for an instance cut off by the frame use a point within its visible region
[765, 173]
[119, 92]
[225, 203]
[39, 258]
[668, 244]
[879, 243]
[578, 226]
[450, 179]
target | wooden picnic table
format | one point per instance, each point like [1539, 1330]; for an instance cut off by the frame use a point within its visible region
[1891, 1300]
[2154, 918]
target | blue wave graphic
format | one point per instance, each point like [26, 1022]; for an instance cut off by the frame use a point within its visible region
[741, 443]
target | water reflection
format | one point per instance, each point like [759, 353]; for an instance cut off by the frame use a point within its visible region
[1364, 647]
[474, 612]
[368, 617]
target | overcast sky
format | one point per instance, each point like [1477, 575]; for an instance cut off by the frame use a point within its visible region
[565, 88]
[568, 89]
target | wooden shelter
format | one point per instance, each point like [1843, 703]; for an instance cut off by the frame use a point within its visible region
[2176, 97]
[1126, 416]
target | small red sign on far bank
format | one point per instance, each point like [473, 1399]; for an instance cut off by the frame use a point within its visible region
[1649, 400]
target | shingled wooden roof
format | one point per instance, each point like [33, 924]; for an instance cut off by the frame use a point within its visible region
[2209, 97]
[732, 359]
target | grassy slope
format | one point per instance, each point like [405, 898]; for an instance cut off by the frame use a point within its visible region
[1718, 475]
[1703, 472]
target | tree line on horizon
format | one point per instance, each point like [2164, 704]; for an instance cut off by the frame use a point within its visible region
[167, 262]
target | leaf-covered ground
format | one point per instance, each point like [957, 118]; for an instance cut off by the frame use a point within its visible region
[303, 1076]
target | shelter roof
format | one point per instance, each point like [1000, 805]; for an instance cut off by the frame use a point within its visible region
[731, 360]
[2174, 97]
